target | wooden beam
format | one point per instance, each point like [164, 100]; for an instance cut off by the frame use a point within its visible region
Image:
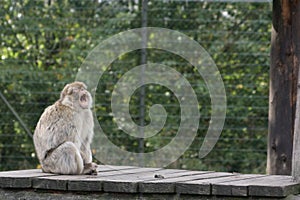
[296, 143]
[285, 56]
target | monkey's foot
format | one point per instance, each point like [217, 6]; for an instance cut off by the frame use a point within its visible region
[90, 169]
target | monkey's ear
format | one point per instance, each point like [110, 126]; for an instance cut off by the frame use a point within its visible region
[69, 90]
[84, 85]
[66, 91]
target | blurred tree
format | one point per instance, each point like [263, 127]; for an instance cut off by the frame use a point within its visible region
[43, 44]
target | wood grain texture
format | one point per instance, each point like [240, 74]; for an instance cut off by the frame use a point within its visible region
[163, 183]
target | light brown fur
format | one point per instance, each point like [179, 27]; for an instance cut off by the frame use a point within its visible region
[64, 133]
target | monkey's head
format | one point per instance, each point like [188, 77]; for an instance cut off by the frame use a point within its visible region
[76, 95]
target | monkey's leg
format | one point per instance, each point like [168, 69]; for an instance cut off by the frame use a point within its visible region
[65, 159]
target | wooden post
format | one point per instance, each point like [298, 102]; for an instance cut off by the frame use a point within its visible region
[296, 145]
[144, 5]
[285, 56]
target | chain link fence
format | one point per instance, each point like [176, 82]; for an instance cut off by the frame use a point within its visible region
[44, 42]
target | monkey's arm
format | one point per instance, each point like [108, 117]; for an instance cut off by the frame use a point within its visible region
[86, 136]
[86, 152]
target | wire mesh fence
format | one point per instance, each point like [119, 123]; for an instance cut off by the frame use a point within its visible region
[44, 42]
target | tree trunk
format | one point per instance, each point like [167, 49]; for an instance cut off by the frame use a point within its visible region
[285, 54]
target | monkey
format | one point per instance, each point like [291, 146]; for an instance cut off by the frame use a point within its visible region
[64, 132]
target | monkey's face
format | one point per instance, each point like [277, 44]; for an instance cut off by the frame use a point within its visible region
[77, 94]
[85, 99]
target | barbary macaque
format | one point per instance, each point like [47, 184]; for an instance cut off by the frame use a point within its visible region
[64, 133]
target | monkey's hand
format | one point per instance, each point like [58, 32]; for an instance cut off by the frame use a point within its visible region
[90, 168]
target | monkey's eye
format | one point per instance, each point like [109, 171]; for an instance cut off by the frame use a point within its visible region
[75, 89]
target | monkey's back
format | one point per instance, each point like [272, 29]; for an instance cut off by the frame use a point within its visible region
[55, 126]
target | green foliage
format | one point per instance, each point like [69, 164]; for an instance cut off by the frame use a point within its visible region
[43, 43]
